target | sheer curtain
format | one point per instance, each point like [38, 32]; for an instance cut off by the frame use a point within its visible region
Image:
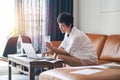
[32, 20]
[37, 18]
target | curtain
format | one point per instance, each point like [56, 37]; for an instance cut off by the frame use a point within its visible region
[37, 18]
[55, 7]
[32, 20]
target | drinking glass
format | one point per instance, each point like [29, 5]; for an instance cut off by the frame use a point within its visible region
[47, 38]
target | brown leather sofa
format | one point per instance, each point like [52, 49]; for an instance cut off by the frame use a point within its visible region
[108, 51]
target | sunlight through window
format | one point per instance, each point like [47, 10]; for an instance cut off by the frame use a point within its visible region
[7, 21]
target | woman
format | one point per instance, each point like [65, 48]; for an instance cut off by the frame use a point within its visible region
[76, 49]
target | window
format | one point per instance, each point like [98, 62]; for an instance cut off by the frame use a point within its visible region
[32, 20]
[7, 21]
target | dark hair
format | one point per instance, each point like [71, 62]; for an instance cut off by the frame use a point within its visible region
[66, 18]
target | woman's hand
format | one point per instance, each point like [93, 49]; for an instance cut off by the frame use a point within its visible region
[47, 53]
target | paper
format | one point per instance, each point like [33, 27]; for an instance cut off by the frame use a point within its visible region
[87, 71]
[51, 60]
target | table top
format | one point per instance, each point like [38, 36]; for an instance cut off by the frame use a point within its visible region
[29, 61]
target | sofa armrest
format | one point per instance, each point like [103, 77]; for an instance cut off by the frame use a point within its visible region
[56, 43]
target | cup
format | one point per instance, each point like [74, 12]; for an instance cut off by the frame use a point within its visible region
[47, 38]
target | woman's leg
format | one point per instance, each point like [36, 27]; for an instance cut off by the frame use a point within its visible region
[70, 60]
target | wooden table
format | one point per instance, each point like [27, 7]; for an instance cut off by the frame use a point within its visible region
[21, 63]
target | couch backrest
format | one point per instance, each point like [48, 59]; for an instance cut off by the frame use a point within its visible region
[56, 43]
[98, 40]
[111, 50]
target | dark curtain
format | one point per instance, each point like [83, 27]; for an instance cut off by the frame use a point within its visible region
[55, 7]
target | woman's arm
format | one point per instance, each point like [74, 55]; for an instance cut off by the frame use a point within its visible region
[55, 49]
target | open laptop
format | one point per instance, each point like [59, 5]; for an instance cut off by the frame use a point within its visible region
[30, 52]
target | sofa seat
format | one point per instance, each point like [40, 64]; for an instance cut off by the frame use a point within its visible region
[66, 74]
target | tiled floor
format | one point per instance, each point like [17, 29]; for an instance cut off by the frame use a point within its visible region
[16, 77]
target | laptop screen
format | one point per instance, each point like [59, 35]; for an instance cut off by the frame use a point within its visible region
[29, 50]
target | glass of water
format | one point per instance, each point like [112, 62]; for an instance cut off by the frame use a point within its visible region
[47, 38]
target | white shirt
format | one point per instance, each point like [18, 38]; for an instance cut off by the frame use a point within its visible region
[77, 44]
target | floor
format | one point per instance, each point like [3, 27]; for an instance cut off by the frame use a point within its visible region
[16, 77]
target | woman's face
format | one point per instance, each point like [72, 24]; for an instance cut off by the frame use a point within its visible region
[63, 27]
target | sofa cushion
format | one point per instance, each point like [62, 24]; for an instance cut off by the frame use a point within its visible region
[111, 50]
[98, 40]
[67, 74]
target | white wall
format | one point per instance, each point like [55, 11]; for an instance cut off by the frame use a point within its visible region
[76, 12]
[97, 16]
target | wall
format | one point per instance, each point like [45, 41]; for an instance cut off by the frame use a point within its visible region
[97, 16]
[76, 12]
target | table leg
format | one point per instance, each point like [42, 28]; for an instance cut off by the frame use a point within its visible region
[31, 74]
[9, 72]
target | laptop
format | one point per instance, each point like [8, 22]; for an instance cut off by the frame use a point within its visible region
[30, 52]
